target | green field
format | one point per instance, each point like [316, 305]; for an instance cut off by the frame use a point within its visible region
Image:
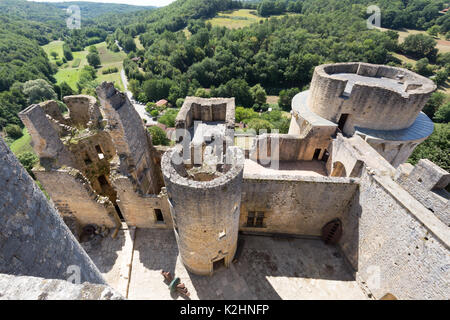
[70, 72]
[22, 145]
[238, 18]
[56, 46]
[139, 45]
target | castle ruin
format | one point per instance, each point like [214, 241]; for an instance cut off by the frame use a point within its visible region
[338, 176]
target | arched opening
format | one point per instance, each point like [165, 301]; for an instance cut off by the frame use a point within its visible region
[338, 170]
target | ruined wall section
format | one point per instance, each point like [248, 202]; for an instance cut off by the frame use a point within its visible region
[205, 213]
[45, 139]
[139, 210]
[132, 141]
[427, 183]
[34, 240]
[295, 205]
[206, 110]
[75, 197]
[83, 111]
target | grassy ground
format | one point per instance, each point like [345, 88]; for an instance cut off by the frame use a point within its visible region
[110, 59]
[22, 145]
[236, 19]
[442, 45]
[70, 72]
[56, 46]
[139, 45]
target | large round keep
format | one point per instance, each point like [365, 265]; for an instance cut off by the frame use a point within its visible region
[373, 96]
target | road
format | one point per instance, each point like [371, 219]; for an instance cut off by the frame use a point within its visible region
[140, 108]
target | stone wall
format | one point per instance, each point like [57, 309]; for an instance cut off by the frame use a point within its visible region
[394, 243]
[206, 110]
[74, 196]
[131, 139]
[427, 183]
[138, 209]
[33, 288]
[295, 205]
[34, 240]
[205, 213]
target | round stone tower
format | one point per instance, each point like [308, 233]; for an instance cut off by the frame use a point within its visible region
[382, 104]
[205, 208]
[375, 96]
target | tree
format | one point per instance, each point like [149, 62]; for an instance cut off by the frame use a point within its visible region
[442, 114]
[285, 98]
[258, 93]
[28, 160]
[157, 89]
[38, 90]
[259, 124]
[93, 59]
[202, 93]
[67, 52]
[436, 148]
[54, 54]
[423, 67]
[441, 77]
[419, 46]
[13, 131]
[434, 103]
[93, 49]
[242, 113]
[159, 136]
[434, 31]
[168, 118]
[66, 90]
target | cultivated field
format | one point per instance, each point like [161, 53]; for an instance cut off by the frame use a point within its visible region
[70, 71]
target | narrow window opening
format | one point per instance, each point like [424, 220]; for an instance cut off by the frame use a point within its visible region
[87, 160]
[119, 213]
[259, 220]
[102, 180]
[159, 216]
[222, 234]
[317, 154]
[99, 150]
[251, 219]
[325, 156]
[218, 264]
[342, 121]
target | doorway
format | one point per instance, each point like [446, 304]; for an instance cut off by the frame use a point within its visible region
[342, 120]
[218, 264]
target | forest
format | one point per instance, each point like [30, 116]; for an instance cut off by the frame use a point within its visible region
[182, 53]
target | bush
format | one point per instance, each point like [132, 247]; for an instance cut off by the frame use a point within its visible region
[168, 118]
[159, 136]
[76, 63]
[434, 103]
[110, 70]
[93, 59]
[154, 113]
[442, 115]
[13, 131]
[28, 160]
[180, 102]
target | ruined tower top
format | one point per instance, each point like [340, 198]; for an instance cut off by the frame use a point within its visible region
[375, 96]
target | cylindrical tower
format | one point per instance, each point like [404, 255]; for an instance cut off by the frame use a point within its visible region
[205, 208]
[376, 97]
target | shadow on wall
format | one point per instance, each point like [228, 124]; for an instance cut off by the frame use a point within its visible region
[349, 242]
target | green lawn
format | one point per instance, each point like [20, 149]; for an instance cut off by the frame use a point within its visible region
[238, 18]
[22, 144]
[139, 45]
[70, 72]
[56, 46]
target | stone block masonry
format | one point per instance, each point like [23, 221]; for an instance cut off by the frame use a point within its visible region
[34, 240]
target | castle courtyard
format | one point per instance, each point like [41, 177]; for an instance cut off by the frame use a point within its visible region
[266, 268]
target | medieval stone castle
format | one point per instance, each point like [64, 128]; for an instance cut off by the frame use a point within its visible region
[339, 176]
